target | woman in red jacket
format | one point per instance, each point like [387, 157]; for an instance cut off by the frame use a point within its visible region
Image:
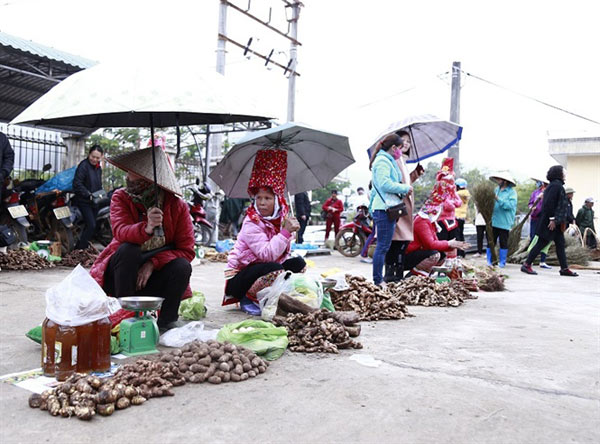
[140, 261]
[426, 250]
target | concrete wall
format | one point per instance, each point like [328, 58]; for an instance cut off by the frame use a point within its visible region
[583, 175]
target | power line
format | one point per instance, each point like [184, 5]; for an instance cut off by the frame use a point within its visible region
[531, 98]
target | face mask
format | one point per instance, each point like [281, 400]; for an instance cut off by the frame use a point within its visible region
[397, 153]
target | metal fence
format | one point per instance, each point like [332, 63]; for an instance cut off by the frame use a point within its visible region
[33, 149]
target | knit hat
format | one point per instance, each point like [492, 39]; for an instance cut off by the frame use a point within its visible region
[270, 171]
[140, 162]
[443, 189]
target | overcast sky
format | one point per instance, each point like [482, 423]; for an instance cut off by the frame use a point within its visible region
[358, 59]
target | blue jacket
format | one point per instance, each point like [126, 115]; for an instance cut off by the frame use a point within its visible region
[387, 181]
[505, 208]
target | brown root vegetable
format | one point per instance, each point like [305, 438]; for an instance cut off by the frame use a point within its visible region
[138, 400]
[214, 380]
[53, 405]
[123, 403]
[105, 409]
[83, 412]
[35, 401]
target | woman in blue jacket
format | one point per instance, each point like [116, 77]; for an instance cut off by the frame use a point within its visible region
[388, 190]
[503, 216]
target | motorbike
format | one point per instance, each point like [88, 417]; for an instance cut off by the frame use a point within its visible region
[13, 214]
[103, 232]
[202, 227]
[47, 215]
[352, 236]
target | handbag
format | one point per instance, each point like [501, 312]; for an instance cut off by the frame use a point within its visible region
[7, 236]
[395, 212]
[97, 196]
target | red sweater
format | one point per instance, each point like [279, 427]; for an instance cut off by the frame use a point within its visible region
[426, 237]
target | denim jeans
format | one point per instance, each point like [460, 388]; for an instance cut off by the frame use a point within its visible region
[385, 231]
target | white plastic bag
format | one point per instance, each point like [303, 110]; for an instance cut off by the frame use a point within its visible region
[78, 300]
[297, 285]
[192, 331]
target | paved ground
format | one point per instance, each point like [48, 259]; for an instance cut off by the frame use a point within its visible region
[519, 366]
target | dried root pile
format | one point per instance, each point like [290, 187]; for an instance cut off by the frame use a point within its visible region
[417, 290]
[316, 332]
[23, 260]
[219, 257]
[371, 302]
[84, 257]
[83, 396]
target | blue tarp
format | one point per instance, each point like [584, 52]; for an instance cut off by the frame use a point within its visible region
[63, 181]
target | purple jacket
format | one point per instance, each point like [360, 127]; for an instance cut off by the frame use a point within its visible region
[535, 214]
[258, 242]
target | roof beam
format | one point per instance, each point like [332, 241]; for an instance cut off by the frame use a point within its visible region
[29, 73]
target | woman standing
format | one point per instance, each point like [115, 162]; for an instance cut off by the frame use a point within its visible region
[88, 180]
[403, 233]
[388, 191]
[461, 212]
[503, 216]
[553, 221]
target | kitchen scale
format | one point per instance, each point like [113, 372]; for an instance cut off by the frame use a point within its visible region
[442, 274]
[139, 335]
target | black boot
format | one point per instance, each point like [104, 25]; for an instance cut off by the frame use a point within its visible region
[399, 271]
[390, 273]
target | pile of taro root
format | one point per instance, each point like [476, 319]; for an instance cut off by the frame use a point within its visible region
[418, 290]
[23, 260]
[84, 257]
[371, 302]
[83, 396]
[311, 330]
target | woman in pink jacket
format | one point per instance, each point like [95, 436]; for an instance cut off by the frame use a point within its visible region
[262, 249]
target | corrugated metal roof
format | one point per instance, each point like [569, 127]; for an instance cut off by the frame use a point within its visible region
[44, 51]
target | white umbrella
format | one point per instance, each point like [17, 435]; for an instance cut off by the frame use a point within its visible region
[314, 158]
[117, 95]
[430, 135]
[142, 95]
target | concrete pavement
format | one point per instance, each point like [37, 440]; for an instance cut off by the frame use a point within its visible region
[517, 366]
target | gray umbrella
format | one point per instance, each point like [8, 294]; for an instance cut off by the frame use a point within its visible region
[314, 158]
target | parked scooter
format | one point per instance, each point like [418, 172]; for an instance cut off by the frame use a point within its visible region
[352, 236]
[13, 214]
[202, 227]
[103, 232]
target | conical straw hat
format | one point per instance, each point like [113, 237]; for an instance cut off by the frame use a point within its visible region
[140, 163]
[503, 175]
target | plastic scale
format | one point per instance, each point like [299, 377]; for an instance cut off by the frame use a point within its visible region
[139, 335]
[442, 274]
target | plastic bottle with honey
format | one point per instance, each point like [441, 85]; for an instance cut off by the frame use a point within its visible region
[48, 346]
[101, 345]
[85, 341]
[66, 352]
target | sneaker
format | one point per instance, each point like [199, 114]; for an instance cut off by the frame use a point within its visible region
[567, 272]
[477, 255]
[366, 260]
[545, 265]
[525, 268]
[250, 307]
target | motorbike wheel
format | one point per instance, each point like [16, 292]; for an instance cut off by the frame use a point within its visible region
[64, 235]
[20, 231]
[349, 243]
[104, 232]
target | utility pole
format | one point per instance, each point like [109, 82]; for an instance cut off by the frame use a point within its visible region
[294, 59]
[455, 112]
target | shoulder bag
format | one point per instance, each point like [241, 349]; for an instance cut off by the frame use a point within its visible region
[396, 212]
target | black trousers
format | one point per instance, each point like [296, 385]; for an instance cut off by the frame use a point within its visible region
[559, 243]
[170, 282]
[503, 235]
[89, 214]
[239, 285]
[303, 223]
[445, 234]
[416, 257]
[395, 257]
[460, 235]
[480, 235]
